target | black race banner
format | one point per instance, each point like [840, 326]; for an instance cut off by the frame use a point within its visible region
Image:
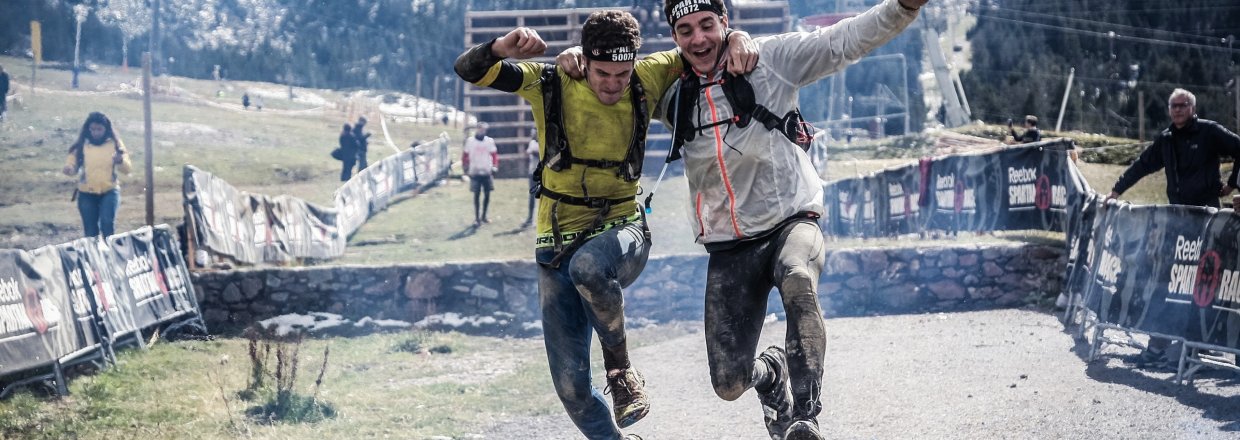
[58, 302]
[1212, 297]
[81, 297]
[967, 193]
[1029, 187]
[844, 215]
[1153, 265]
[153, 293]
[1040, 186]
[1080, 237]
[36, 325]
[900, 190]
[106, 284]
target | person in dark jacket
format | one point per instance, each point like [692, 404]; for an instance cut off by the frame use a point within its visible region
[348, 152]
[1189, 151]
[1031, 133]
[362, 140]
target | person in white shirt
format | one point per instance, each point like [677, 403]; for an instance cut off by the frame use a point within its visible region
[480, 160]
[531, 159]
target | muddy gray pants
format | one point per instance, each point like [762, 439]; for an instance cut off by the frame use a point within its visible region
[584, 294]
[738, 282]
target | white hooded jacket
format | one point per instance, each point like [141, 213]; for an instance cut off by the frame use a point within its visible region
[744, 182]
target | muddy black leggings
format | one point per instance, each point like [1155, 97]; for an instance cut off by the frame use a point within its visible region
[738, 282]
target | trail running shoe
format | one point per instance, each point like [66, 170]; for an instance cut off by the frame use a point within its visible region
[777, 401]
[804, 430]
[632, 437]
[629, 402]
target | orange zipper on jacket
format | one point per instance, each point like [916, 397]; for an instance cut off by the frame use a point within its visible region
[723, 169]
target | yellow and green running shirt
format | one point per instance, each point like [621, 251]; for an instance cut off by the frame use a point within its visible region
[594, 131]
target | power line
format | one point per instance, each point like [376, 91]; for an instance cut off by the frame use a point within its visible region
[1098, 79]
[1059, 4]
[1149, 10]
[1135, 29]
[1115, 36]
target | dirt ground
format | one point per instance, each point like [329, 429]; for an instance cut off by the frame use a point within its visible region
[993, 374]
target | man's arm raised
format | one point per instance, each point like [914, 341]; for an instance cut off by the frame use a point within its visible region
[520, 43]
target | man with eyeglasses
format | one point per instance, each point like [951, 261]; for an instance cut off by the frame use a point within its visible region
[1189, 151]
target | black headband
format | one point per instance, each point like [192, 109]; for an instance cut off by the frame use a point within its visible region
[686, 7]
[624, 53]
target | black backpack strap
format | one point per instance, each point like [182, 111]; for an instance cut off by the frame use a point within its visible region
[631, 168]
[555, 153]
[682, 112]
[745, 109]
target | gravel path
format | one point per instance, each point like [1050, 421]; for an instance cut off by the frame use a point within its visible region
[992, 374]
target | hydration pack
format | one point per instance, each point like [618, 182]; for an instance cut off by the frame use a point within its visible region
[745, 110]
[556, 152]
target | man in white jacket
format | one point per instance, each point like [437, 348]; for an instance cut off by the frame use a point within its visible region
[755, 198]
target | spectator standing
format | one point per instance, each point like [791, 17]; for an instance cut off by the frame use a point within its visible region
[363, 141]
[1031, 133]
[96, 158]
[1189, 152]
[245, 101]
[480, 159]
[348, 152]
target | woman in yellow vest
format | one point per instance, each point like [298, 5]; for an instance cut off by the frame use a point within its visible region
[96, 158]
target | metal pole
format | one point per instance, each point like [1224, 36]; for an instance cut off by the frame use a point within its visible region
[154, 43]
[1064, 104]
[908, 107]
[1236, 82]
[36, 46]
[1141, 115]
[146, 116]
[77, 43]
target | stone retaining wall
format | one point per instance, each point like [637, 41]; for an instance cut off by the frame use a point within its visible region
[502, 295]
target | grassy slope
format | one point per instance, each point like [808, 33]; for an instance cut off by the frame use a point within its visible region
[270, 152]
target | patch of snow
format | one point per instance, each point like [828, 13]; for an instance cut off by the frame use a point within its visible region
[320, 322]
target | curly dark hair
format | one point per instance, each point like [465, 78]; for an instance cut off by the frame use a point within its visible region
[610, 29]
[84, 134]
[668, 4]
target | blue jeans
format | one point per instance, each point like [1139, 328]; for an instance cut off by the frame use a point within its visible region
[99, 212]
[584, 294]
